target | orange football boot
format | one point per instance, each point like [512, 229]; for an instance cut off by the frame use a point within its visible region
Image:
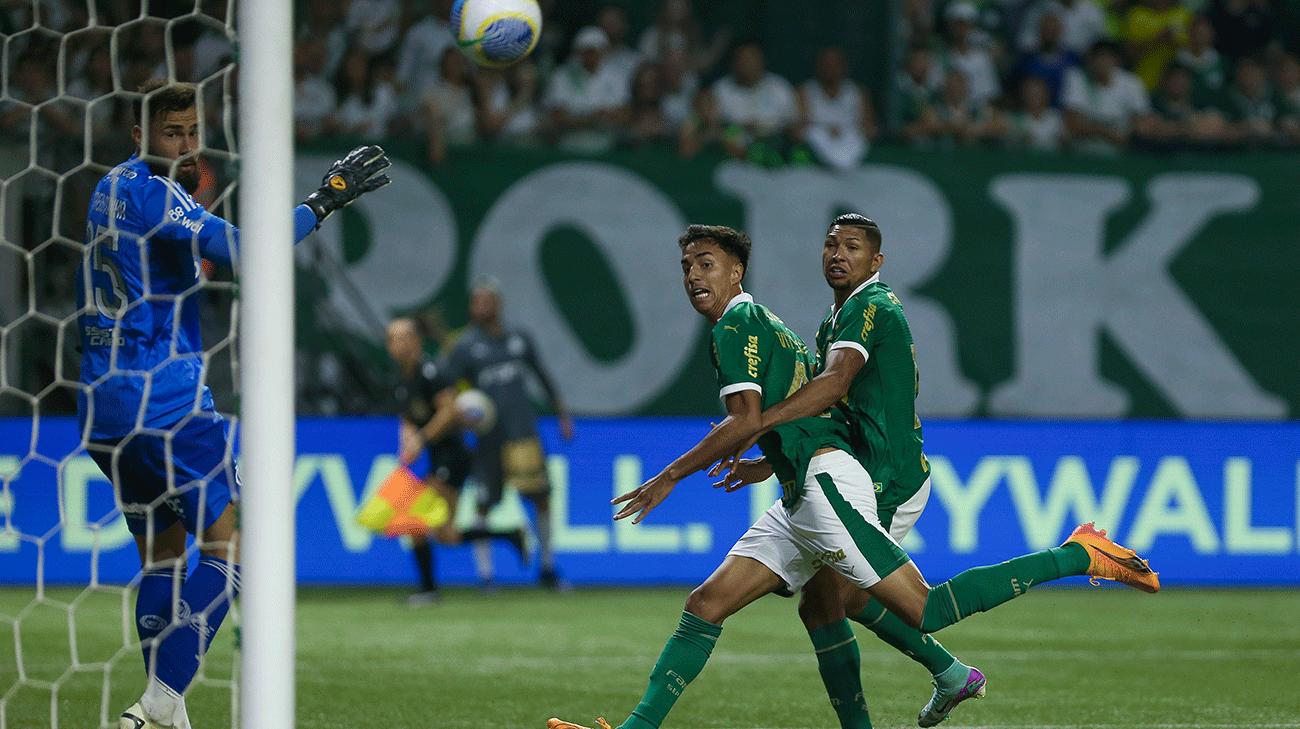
[1109, 561]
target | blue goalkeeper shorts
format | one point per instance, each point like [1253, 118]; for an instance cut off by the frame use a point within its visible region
[199, 488]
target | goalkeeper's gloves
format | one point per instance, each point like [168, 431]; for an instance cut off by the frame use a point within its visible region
[349, 179]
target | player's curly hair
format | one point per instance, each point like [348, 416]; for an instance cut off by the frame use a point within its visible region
[730, 240]
[859, 221]
[160, 96]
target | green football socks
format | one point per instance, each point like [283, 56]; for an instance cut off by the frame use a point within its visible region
[682, 660]
[840, 663]
[984, 588]
[909, 641]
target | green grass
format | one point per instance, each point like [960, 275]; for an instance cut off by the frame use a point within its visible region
[1057, 658]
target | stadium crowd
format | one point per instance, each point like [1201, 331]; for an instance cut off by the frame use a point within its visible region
[1090, 75]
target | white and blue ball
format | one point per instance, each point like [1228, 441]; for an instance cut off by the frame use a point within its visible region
[476, 411]
[496, 33]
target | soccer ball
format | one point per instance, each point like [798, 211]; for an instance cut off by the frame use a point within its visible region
[476, 410]
[496, 33]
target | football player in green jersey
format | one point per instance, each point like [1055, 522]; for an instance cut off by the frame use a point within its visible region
[868, 370]
[827, 506]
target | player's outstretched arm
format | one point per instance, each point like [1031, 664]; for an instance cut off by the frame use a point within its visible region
[744, 412]
[821, 392]
[817, 396]
[349, 179]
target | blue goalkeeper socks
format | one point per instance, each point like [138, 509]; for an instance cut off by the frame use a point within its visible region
[206, 595]
[153, 609]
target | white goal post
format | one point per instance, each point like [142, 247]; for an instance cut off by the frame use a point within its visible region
[266, 362]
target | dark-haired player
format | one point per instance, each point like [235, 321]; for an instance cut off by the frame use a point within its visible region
[827, 515]
[429, 421]
[146, 415]
[868, 369]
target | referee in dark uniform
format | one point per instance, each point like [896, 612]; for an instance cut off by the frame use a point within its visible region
[429, 420]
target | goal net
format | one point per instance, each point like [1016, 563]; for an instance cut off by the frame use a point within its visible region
[70, 655]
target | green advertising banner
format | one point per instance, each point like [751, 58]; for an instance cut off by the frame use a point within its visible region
[1036, 286]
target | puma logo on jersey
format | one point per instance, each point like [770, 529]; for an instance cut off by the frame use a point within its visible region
[728, 326]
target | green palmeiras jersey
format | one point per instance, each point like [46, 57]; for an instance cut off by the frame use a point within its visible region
[881, 403]
[753, 350]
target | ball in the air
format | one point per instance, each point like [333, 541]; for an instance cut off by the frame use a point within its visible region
[496, 33]
[476, 410]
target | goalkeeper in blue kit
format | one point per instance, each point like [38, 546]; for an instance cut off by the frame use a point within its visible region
[146, 416]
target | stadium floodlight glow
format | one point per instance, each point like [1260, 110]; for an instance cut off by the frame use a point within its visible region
[266, 362]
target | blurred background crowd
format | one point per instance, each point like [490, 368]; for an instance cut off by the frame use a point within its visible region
[753, 80]
[1094, 75]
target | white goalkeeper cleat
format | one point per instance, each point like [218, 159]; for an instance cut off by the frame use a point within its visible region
[135, 718]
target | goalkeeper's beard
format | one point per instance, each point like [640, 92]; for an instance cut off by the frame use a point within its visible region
[188, 178]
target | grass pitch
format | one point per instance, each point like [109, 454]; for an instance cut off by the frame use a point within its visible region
[1055, 658]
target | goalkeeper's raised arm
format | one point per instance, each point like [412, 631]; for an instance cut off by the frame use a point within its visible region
[147, 417]
[167, 174]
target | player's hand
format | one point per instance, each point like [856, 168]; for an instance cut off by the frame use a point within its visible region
[745, 472]
[641, 501]
[349, 179]
[732, 461]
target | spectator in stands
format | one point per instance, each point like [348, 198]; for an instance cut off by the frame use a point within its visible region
[1183, 118]
[1201, 58]
[108, 111]
[148, 44]
[587, 99]
[970, 52]
[679, 84]
[918, 22]
[1035, 125]
[314, 97]
[1250, 103]
[835, 113]
[1286, 77]
[212, 46]
[448, 106]
[754, 107]
[1048, 61]
[366, 102]
[1242, 27]
[324, 22]
[647, 123]
[374, 24]
[619, 55]
[420, 56]
[962, 119]
[675, 29]
[917, 89]
[1104, 104]
[505, 100]
[1154, 31]
[1082, 23]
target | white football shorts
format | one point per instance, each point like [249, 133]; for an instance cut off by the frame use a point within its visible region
[833, 524]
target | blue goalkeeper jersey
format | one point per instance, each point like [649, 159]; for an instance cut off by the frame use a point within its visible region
[138, 291]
